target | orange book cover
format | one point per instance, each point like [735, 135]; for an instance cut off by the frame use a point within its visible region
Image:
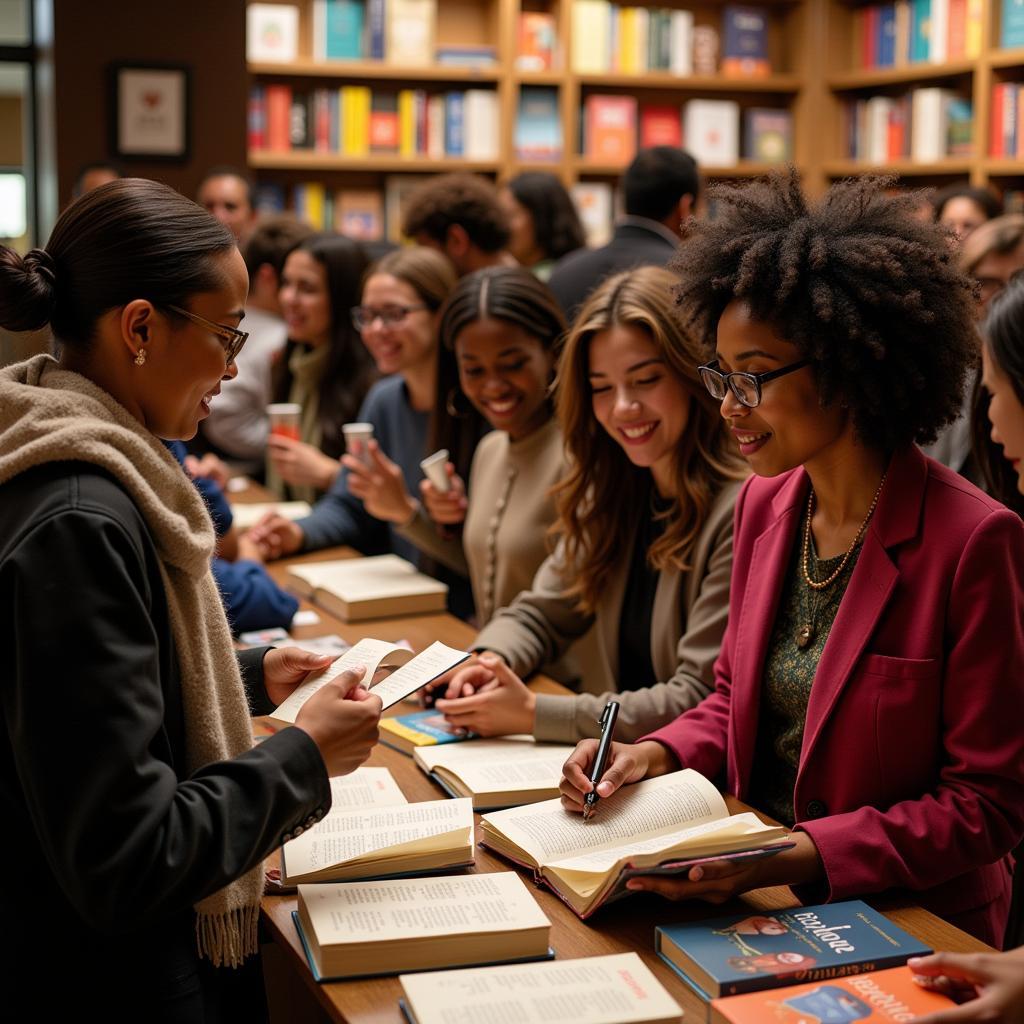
[611, 128]
[661, 126]
[279, 112]
[891, 996]
[956, 44]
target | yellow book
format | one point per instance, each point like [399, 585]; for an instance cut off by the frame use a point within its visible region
[626, 56]
[356, 119]
[407, 123]
[975, 18]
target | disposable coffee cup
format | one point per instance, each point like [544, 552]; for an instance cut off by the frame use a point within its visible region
[284, 419]
[361, 433]
[433, 467]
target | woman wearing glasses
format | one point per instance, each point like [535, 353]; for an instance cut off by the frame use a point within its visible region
[127, 770]
[372, 496]
[324, 368]
[644, 527]
[869, 688]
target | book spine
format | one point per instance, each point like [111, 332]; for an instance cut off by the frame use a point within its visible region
[454, 112]
[375, 22]
[257, 122]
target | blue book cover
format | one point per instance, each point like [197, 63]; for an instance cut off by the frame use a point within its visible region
[1011, 27]
[745, 40]
[885, 49]
[344, 30]
[920, 30]
[538, 126]
[454, 106]
[419, 729]
[729, 955]
[375, 15]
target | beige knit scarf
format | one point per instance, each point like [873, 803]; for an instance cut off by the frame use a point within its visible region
[48, 414]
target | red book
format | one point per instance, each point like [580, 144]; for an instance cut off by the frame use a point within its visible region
[279, 113]
[321, 121]
[384, 125]
[996, 122]
[661, 126]
[870, 39]
[257, 123]
[610, 128]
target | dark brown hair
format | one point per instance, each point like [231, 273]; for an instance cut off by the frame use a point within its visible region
[463, 199]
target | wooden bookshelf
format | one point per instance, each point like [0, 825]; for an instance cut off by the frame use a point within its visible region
[371, 70]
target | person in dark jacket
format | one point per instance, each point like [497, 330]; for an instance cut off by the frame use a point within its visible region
[660, 191]
[141, 810]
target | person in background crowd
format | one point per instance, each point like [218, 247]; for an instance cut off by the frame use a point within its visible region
[660, 190]
[871, 675]
[460, 216]
[93, 175]
[962, 208]
[226, 193]
[237, 426]
[324, 368]
[542, 219]
[645, 522]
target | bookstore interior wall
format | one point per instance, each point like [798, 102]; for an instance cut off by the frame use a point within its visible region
[352, 101]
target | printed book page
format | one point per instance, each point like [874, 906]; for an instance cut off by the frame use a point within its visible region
[420, 908]
[360, 835]
[547, 832]
[245, 516]
[367, 579]
[437, 659]
[498, 765]
[372, 653]
[365, 787]
[615, 989]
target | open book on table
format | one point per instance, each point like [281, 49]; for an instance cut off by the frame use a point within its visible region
[412, 672]
[659, 826]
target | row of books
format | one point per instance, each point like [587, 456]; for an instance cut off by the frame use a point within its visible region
[1006, 137]
[916, 31]
[632, 40]
[926, 125]
[356, 121]
[613, 127]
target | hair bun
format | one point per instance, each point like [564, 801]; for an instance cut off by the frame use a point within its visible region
[39, 261]
[28, 294]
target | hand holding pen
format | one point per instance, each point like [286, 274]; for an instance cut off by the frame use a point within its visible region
[608, 718]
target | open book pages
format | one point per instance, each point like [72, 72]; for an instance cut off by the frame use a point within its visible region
[419, 923]
[496, 773]
[614, 989]
[366, 588]
[245, 516]
[664, 819]
[365, 787]
[390, 840]
[437, 659]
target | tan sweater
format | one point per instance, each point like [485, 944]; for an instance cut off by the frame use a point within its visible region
[687, 623]
[504, 540]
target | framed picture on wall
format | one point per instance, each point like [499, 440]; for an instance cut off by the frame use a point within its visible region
[150, 111]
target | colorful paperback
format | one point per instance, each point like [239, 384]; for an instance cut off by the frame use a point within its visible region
[745, 42]
[730, 955]
[419, 729]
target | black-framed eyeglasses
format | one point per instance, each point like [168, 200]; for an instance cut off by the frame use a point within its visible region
[231, 338]
[389, 316]
[745, 386]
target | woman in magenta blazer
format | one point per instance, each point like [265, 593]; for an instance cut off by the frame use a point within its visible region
[871, 679]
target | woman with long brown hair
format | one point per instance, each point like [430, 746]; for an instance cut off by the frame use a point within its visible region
[644, 532]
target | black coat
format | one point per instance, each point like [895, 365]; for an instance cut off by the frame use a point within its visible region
[633, 245]
[109, 841]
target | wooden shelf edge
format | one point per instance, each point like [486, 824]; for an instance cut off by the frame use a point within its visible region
[363, 69]
[1003, 167]
[904, 168]
[691, 83]
[744, 169]
[907, 73]
[382, 162]
[1006, 58]
[540, 77]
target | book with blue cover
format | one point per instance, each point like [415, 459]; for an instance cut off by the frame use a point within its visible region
[729, 955]
[745, 41]
[420, 729]
[1011, 23]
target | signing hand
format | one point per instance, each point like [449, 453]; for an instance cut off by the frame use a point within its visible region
[498, 703]
[445, 507]
[299, 463]
[341, 719]
[996, 980]
[380, 486]
[627, 762]
[274, 536]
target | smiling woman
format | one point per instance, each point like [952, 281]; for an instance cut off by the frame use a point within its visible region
[127, 767]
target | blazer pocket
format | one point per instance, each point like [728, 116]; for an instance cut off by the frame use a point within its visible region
[899, 668]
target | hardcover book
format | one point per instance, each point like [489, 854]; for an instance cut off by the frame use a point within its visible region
[661, 126]
[730, 955]
[420, 729]
[359, 214]
[536, 41]
[745, 42]
[711, 132]
[767, 135]
[892, 996]
[410, 31]
[538, 133]
[659, 826]
[1011, 24]
[271, 32]
[610, 128]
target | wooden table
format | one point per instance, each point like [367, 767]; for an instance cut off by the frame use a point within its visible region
[624, 926]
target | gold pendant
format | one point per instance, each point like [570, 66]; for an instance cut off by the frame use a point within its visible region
[804, 635]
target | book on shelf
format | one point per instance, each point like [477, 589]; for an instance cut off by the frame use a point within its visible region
[609, 134]
[681, 43]
[384, 123]
[359, 214]
[924, 125]
[872, 998]
[496, 773]
[244, 516]
[271, 33]
[660, 125]
[338, 27]
[705, 50]
[300, 135]
[593, 201]
[410, 31]
[632, 40]
[1006, 133]
[538, 128]
[479, 56]
[659, 826]
[415, 924]
[536, 41]
[480, 124]
[745, 42]
[375, 842]
[376, 29]
[1011, 23]
[410, 673]
[311, 203]
[379, 586]
[426, 728]
[454, 123]
[917, 31]
[617, 988]
[767, 135]
[269, 197]
[711, 132]
[399, 187]
[726, 956]
[591, 36]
